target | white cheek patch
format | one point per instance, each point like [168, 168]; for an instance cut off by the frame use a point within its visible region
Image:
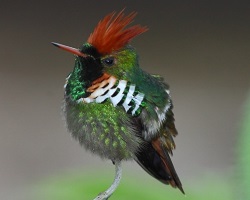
[138, 100]
[123, 93]
[117, 98]
[129, 98]
[101, 89]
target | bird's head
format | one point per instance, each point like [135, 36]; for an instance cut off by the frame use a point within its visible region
[106, 54]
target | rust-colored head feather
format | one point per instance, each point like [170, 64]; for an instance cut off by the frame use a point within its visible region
[111, 33]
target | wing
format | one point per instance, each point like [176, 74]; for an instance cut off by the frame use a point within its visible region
[154, 156]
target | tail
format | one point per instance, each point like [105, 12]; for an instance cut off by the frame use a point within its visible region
[156, 161]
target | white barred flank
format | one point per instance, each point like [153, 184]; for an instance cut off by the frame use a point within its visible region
[162, 115]
[152, 128]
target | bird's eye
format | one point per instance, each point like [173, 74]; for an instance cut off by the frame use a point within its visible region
[109, 61]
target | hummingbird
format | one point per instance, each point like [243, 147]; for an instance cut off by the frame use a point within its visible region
[115, 109]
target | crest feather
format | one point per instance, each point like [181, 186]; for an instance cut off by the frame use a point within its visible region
[111, 33]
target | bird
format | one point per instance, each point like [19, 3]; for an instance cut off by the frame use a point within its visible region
[114, 108]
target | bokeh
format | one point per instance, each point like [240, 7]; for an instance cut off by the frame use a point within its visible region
[201, 48]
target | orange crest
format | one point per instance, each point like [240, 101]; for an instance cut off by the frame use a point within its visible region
[111, 33]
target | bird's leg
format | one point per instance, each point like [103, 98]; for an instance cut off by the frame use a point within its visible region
[118, 175]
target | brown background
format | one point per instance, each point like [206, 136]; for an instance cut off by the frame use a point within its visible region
[201, 48]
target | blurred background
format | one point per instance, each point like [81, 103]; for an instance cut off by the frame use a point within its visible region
[201, 48]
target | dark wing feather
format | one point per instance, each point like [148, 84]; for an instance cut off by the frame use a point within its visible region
[167, 164]
[154, 155]
[151, 162]
[154, 159]
[157, 131]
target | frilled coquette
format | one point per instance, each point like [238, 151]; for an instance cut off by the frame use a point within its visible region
[113, 107]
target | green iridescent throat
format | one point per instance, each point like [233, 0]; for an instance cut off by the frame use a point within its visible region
[75, 87]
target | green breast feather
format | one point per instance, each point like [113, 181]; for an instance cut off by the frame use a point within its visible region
[103, 129]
